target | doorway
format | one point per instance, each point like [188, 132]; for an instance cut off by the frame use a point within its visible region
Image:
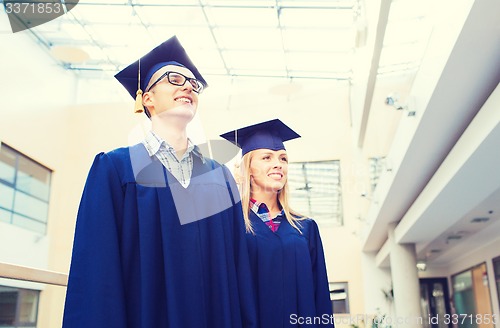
[435, 302]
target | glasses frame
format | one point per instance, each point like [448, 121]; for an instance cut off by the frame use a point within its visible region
[186, 79]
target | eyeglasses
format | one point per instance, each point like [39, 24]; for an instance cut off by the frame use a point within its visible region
[179, 80]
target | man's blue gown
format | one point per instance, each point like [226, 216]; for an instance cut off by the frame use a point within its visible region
[134, 265]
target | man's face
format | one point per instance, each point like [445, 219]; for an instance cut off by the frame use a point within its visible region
[168, 98]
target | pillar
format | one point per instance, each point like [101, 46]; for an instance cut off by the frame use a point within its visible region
[405, 284]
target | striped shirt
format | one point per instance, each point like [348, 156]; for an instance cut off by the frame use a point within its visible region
[182, 168]
[261, 210]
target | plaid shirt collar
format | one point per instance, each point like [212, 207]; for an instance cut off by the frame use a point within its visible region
[262, 211]
[154, 143]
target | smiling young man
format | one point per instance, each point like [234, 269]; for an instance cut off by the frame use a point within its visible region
[172, 106]
[159, 239]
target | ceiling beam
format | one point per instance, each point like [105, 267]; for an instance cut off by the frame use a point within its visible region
[447, 95]
[383, 17]
[214, 38]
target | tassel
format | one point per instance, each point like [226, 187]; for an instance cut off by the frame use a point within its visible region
[138, 96]
[138, 102]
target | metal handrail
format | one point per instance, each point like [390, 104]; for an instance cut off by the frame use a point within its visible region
[18, 272]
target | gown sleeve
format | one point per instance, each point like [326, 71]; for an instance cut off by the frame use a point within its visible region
[322, 293]
[95, 293]
[245, 284]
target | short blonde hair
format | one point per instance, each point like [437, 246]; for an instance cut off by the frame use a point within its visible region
[242, 176]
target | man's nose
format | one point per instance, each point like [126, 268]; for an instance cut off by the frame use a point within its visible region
[187, 85]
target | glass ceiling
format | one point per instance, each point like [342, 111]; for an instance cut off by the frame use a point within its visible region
[238, 38]
[259, 39]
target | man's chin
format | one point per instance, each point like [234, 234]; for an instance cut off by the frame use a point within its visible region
[182, 110]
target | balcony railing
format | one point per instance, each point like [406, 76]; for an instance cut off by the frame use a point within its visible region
[18, 272]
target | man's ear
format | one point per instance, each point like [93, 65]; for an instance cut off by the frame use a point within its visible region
[146, 99]
[147, 102]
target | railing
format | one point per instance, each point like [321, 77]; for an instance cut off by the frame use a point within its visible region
[18, 272]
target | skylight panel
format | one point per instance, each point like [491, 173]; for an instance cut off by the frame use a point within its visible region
[320, 61]
[242, 16]
[319, 18]
[248, 38]
[337, 4]
[404, 53]
[407, 31]
[182, 16]
[402, 10]
[318, 39]
[176, 3]
[240, 3]
[255, 60]
[106, 14]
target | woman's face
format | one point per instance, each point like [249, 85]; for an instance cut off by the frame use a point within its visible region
[268, 170]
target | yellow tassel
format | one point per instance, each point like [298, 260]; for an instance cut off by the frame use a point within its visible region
[138, 102]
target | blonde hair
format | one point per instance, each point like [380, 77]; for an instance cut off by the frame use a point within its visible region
[242, 177]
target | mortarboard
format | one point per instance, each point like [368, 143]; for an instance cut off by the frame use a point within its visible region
[265, 135]
[136, 76]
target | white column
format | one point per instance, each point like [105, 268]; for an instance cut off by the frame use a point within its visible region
[405, 283]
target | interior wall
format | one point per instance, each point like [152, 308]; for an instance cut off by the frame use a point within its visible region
[94, 129]
[317, 110]
[475, 257]
[39, 117]
[63, 122]
[35, 94]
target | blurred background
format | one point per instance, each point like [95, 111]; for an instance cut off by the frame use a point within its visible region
[397, 103]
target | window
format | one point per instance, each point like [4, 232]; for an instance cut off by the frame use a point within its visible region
[471, 294]
[316, 192]
[339, 297]
[496, 266]
[18, 307]
[24, 190]
[377, 164]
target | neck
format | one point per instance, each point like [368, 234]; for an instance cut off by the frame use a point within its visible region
[268, 198]
[172, 132]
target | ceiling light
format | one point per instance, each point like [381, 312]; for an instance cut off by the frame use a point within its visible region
[453, 238]
[286, 89]
[69, 54]
[480, 220]
[421, 266]
[433, 252]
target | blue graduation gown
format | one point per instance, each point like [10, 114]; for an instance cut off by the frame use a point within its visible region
[134, 265]
[289, 273]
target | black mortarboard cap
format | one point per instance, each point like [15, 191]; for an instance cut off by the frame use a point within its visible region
[265, 135]
[169, 52]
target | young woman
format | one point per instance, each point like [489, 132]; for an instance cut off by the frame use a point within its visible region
[286, 254]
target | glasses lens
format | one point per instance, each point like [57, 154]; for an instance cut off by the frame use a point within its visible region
[179, 79]
[176, 78]
[197, 86]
